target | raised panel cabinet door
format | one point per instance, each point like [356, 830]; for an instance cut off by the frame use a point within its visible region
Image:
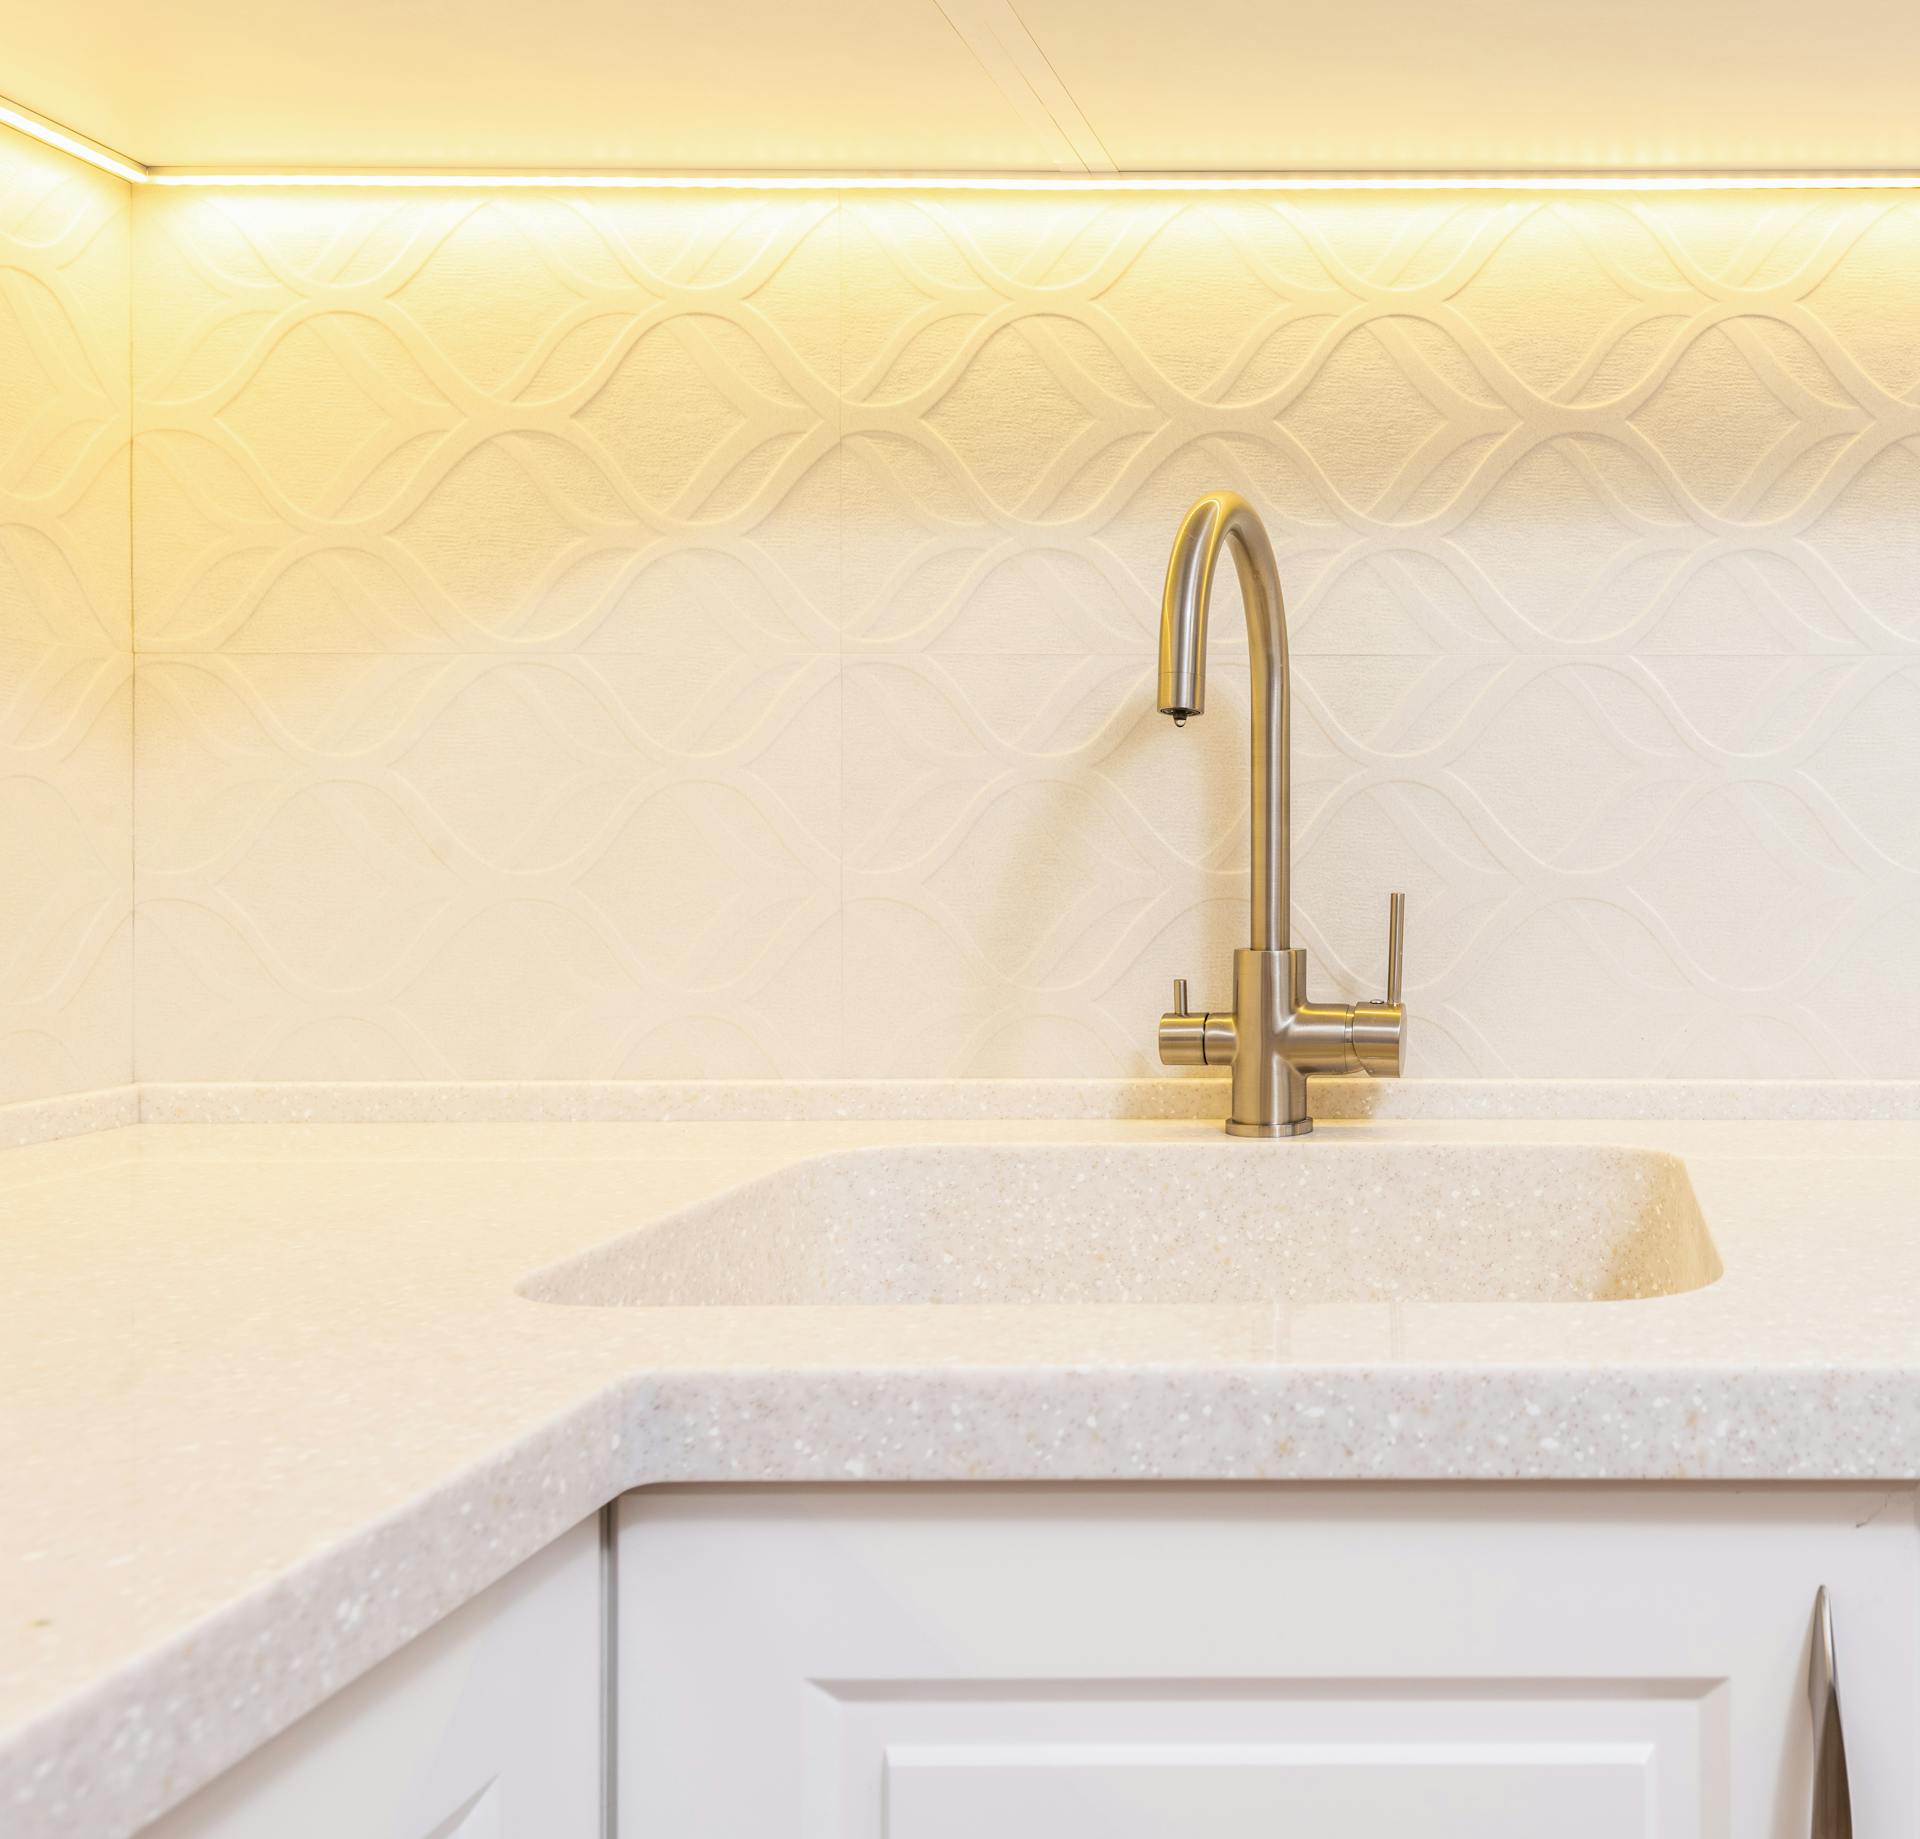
[486, 1727]
[1156, 1662]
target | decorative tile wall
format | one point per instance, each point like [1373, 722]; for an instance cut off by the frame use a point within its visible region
[628, 634]
[66, 666]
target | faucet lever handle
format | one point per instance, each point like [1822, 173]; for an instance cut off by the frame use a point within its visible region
[1396, 944]
[1180, 997]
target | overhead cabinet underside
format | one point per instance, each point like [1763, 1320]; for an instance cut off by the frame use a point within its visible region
[929, 86]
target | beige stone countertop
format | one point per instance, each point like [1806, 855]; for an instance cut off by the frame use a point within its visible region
[271, 1402]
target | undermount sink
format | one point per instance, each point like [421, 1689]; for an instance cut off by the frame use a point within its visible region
[1169, 1224]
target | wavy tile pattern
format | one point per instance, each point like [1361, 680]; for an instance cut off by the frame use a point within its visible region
[66, 668]
[595, 635]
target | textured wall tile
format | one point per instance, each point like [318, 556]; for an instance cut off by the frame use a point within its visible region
[65, 665]
[402, 867]
[1032, 852]
[1596, 516]
[453, 422]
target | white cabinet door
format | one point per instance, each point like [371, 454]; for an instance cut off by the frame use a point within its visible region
[1165, 1662]
[486, 1727]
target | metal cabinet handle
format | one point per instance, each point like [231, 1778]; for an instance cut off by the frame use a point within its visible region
[1832, 1803]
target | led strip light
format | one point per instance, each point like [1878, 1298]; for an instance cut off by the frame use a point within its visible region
[1057, 182]
[52, 134]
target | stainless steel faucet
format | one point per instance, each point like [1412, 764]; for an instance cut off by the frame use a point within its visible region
[1272, 1037]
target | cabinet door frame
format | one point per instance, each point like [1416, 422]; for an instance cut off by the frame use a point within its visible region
[872, 1646]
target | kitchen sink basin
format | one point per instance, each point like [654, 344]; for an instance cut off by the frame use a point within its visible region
[1216, 1223]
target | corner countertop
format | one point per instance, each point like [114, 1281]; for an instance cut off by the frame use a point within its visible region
[270, 1405]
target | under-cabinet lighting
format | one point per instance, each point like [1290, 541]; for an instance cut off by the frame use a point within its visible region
[1623, 181]
[51, 133]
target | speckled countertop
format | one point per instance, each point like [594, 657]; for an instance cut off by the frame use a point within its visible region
[271, 1402]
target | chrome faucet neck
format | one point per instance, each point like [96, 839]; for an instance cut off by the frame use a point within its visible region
[1225, 519]
[1274, 1036]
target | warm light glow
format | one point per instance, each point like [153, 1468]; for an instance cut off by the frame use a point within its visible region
[1624, 181]
[81, 148]
[51, 134]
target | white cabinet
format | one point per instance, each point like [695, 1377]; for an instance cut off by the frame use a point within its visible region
[486, 1727]
[1160, 1662]
[1147, 1662]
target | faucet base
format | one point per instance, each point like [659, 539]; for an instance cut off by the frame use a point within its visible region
[1269, 1089]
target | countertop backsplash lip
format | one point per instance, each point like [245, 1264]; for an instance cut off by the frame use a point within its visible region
[69, 1114]
[802, 1100]
[911, 1100]
[662, 1101]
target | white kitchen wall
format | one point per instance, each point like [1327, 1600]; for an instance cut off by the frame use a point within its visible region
[704, 634]
[66, 665]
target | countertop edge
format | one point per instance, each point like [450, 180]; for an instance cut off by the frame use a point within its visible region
[651, 1430]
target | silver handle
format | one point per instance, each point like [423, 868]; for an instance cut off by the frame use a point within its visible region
[1832, 1802]
[1396, 944]
[1180, 997]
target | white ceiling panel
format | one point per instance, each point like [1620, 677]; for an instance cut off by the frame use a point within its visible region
[575, 84]
[959, 85]
[1475, 85]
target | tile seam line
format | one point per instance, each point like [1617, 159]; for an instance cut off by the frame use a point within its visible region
[133, 682]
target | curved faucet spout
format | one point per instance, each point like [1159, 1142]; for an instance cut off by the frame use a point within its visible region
[1275, 1035]
[1226, 518]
